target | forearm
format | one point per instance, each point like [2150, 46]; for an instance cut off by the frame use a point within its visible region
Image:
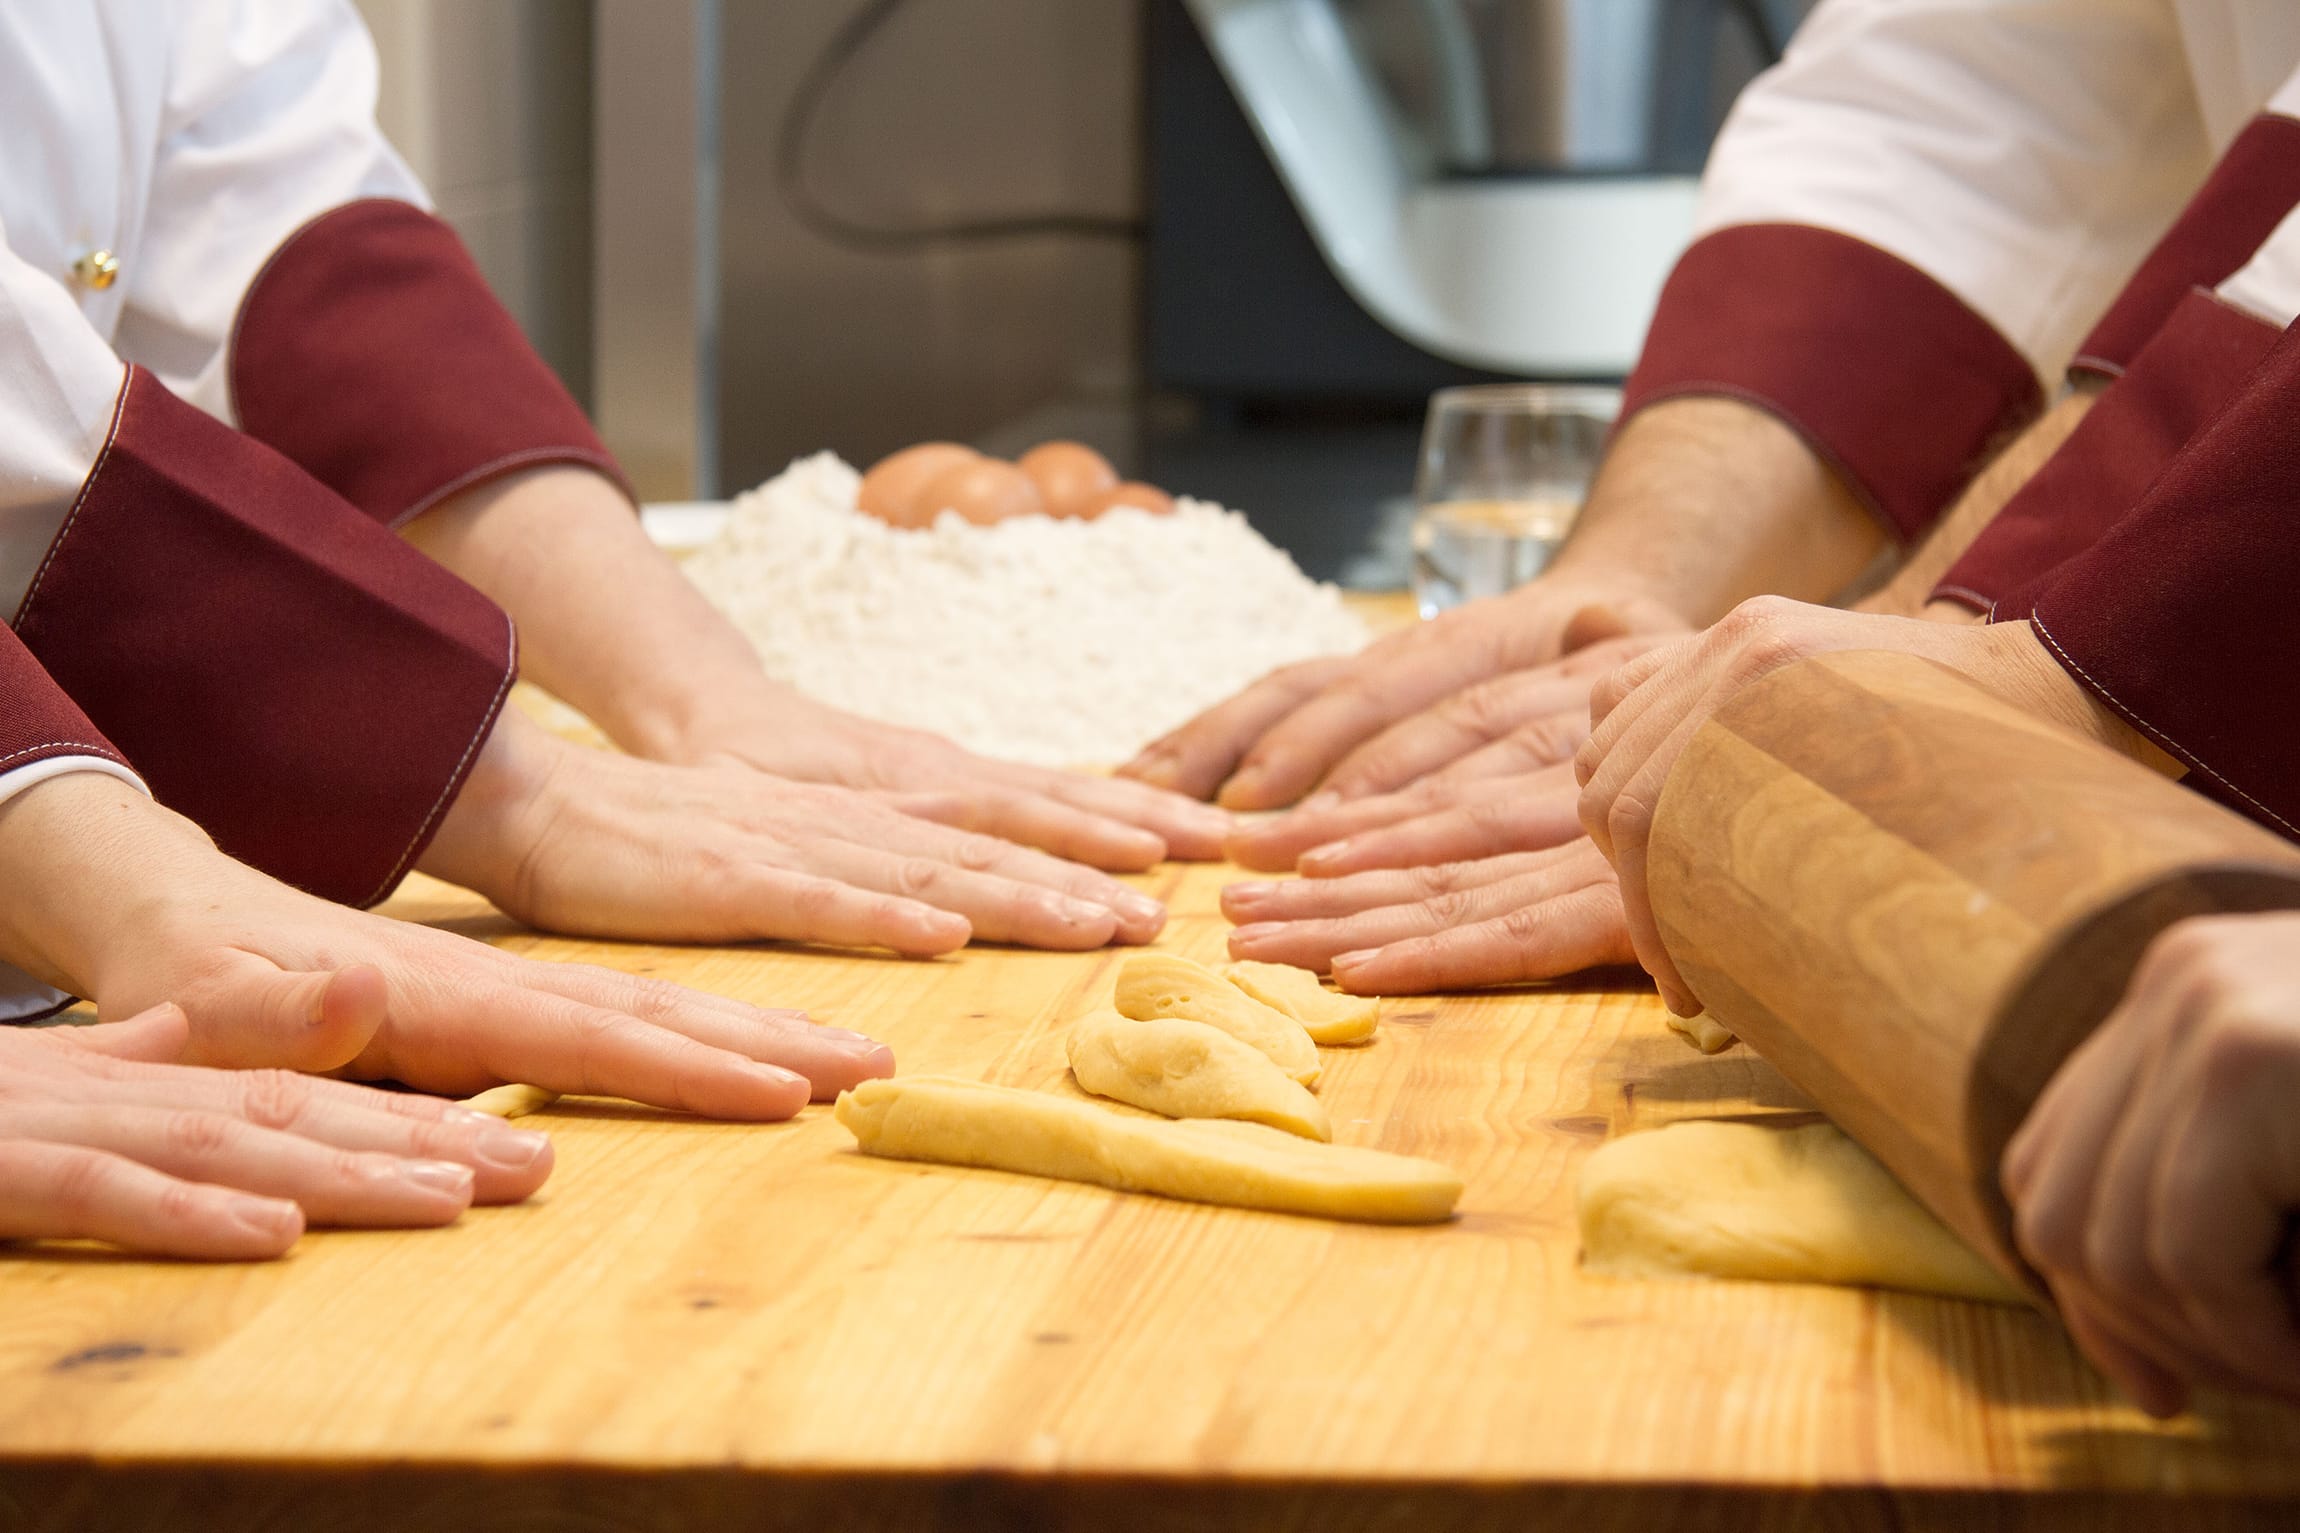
[606, 620]
[1702, 503]
[1910, 590]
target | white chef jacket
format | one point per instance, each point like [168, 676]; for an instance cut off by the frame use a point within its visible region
[2024, 153]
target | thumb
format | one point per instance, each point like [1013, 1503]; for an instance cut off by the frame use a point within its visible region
[1602, 620]
[259, 1016]
[157, 1035]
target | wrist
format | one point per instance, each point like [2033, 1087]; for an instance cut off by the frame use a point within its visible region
[2024, 673]
[86, 864]
[486, 841]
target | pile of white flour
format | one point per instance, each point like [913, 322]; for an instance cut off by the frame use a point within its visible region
[1065, 643]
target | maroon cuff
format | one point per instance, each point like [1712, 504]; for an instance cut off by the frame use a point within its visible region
[1883, 371]
[279, 668]
[2179, 381]
[370, 351]
[2180, 617]
[2255, 183]
[38, 719]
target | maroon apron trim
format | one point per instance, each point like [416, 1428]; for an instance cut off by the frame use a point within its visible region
[370, 351]
[2179, 616]
[2255, 183]
[1891, 378]
[276, 666]
[2186, 373]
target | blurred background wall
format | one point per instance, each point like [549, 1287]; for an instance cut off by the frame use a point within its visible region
[961, 107]
[490, 100]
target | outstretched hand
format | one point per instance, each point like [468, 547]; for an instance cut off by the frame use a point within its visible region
[1408, 703]
[103, 1136]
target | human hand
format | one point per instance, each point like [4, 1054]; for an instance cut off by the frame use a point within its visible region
[1302, 725]
[1439, 819]
[1644, 714]
[104, 1137]
[1497, 921]
[589, 842]
[110, 896]
[1103, 822]
[2155, 1183]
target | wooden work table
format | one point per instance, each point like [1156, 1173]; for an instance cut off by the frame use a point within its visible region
[702, 1325]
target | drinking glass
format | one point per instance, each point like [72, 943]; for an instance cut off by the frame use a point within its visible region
[1504, 470]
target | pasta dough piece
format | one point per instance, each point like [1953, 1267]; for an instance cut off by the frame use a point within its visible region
[1703, 1032]
[1186, 1069]
[1161, 985]
[1328, 1017]
[1799, 1205]
[510, 1101]
[1243, 1165]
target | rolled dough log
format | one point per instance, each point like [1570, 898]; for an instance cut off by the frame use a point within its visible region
[1243, 1165]
[1189, 1070]
[511, 1101]
[1798, 1205]
[1328, 1017]
[1161, 985]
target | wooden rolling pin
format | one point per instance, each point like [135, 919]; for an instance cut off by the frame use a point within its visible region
[1916, 902]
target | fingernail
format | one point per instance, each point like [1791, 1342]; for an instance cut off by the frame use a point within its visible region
[1082, 912]
[1324, 798]
[1158, 771]
[470, 1117]
[1351, 960]
[437, 1176]
[510, 1149]
[268, 1217]
[841, 1034]
[1256, 931]
[1247, 893]
[1139, 906]
[779, 1075]
[1332, 851]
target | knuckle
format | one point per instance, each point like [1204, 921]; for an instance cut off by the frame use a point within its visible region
[979, 854]
[1522, 924]
[274, 1098]
[77, 1184]
[918, 877]
[178, 1202]
[200, 1135]
[1432, 880]
[1448, 907]
[814, 903]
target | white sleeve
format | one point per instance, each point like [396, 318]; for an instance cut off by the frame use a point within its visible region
[59, 384]
[2268, 285]
[2022, 153]
[269, 122]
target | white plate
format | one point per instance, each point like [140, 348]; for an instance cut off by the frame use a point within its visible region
[682, 526]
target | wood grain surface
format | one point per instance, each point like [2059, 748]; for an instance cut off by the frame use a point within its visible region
[701, 1325]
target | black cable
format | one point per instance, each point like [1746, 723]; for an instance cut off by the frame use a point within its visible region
[854, 35]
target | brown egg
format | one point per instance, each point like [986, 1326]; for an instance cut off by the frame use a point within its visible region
[892, 486]
[1071, 476]
[1142, 497]
[984, 491]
